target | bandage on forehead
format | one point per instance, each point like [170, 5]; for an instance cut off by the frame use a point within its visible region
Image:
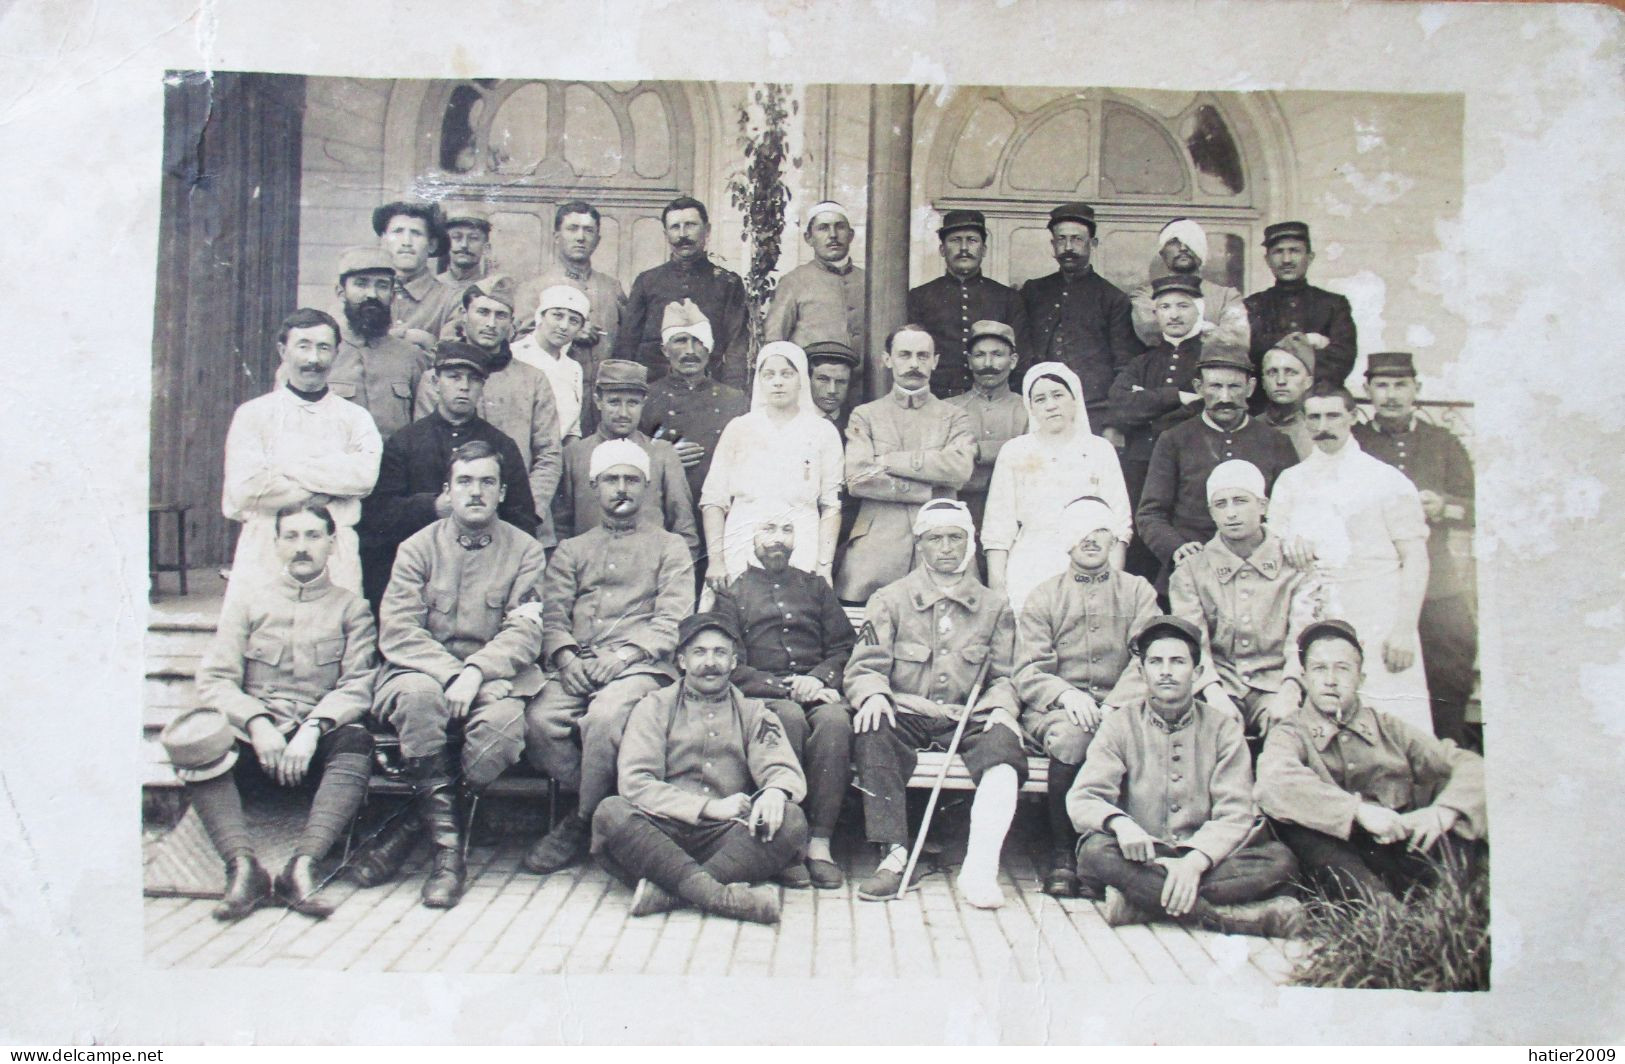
[944, 513]
[1086, 515]
[612, 453]
[827, 207]
[1236, 473]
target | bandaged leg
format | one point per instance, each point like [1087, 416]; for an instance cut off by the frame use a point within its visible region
[990, 815]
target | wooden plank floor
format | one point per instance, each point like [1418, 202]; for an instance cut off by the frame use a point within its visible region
[576, 922]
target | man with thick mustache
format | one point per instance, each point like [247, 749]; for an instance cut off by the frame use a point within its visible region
[1369, 804]
[373, 369]
[949, 305]
[902, 450]
[411, 233]
[411, 490]
[794, 643]
[1436, 462]
[468, 238]
[686, 406]
[1360, 522]
[299, 443]
[689, 274]
[997, 414]
[452, 656]
[823, 299]
[1181, 249]
[1173, 517]
[611, 604]
[1077, 317]
[517, 400]
[708, 791]
[291, 668]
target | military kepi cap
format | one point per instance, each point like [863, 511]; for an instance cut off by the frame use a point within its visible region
[372, 259]
[1286, 231]
[456, 353]
[988, 327]
[1390, 364]
[831, 351]
[429, 213]
[1227, 355]
[620, 374]
[1178, 627]
[1330, 628]
[962, 220]
[1189, 283]
[1073, 212]
[689, 627]
[200, 745]
[472, 217]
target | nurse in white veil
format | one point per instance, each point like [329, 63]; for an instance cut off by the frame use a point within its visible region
[1057, 460]
[782, 459]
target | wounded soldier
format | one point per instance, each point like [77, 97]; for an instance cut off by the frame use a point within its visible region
[288, 674]
[912, 675]
[709, 788]
[1165, 805]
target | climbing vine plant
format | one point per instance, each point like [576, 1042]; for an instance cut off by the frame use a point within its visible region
[759, 192]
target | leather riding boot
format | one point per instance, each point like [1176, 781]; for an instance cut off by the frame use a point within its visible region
[296, 886]
[248, 886]
[381, 857]
[435, 795]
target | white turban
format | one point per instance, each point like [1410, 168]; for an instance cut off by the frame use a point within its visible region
[948, 513]
[686, 318]
[1186, 232]
[1086, 515]
[1236, 473]
[612, 453]
[563, 297]
[827, 207]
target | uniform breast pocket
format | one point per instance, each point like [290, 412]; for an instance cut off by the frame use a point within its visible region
[402, 390]
[343, 389]
[493, 605]
[328, 657]
[911, 665]
[262, 658]
[973, 656]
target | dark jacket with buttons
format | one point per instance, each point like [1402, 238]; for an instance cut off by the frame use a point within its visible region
[720, 295]
[1435, 460]
[948, 307]
[676, 410]
[1144, 395]
[1173, 505]
[793, 626]
[1299, 306]
[1189, 784]
[1086, 325]
[921, 646]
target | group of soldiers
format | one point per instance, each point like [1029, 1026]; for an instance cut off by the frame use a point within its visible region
[543, 521]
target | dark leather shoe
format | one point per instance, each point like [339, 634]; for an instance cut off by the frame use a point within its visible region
[248, 886]
[759, 905]
[795, 877]
[650, 898]
[1061, 883]
[560, 848]
[826, 875]
[296, 887]
[444, 887]
[884, 884]
[438, 808]
[379, 859]
[1090, 888]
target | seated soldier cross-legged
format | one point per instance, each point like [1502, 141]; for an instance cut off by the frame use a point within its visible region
[1165, 805]
[915, 671]
[285, 681]
[708, 790]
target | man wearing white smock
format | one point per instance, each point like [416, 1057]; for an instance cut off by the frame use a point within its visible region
[1360, 522]
[781, 461]
[299, 443]
[1058, 459]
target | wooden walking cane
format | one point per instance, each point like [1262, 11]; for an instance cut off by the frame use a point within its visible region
[942, 774]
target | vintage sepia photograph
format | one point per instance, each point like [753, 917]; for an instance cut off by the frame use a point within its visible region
[993, 534]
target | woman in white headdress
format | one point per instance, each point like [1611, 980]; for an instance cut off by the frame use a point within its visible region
[782, 460]
[1057, 460]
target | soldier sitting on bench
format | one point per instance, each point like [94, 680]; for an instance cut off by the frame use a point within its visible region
[291, 668]
[911, 676]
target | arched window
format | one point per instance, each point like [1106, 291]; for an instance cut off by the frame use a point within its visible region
[521, 147]
[1140, 159]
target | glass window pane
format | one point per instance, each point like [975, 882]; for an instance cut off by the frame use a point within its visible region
[1137, 157]
[1055, 157]
[651, 136]
[976, 155]
[518, 140]
[1218, 161]
[457, 151]
[1030, 254]
[592, 137]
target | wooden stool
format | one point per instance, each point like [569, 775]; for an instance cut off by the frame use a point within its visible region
[155, 513]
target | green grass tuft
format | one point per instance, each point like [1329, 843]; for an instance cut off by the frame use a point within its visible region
[1437, 939]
